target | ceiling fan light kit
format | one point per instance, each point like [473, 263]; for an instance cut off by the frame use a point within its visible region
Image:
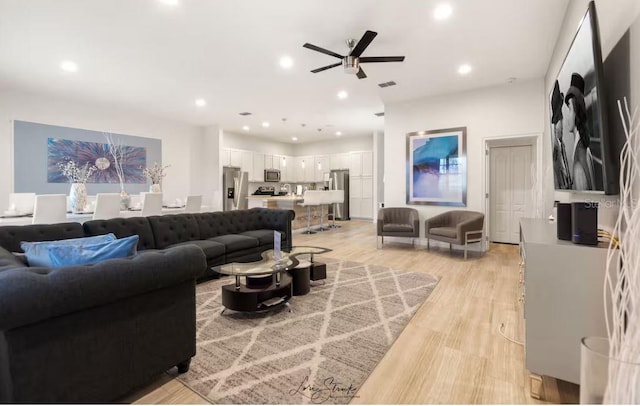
[351, 62]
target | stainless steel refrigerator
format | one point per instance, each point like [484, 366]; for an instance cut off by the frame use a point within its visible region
[339, 180]
[235, 188]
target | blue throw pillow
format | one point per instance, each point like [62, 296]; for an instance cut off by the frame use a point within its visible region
[66, 255]
[37, 253]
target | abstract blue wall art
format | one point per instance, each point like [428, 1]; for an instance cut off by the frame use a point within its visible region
[61, 150]
[436, 167]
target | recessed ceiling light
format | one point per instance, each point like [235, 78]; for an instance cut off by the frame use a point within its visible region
[170, 2]
[69, 66]
[201, 102]
[338, 133]
[294, 138]
[286, 62]
[265, 124]
[442, 12]
[342, 95]
[246, 127]
[464, 69]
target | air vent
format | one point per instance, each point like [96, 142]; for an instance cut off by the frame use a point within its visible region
[387, 84]
[381, 114]
[245, 113]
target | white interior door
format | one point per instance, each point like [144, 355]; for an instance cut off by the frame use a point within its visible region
[510, 191]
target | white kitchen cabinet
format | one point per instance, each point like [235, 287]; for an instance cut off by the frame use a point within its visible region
[257, 174]
[225, 157]
[268, 161]
[355, 187]
[339, 161]
[236, 158]
[367, 187]
[366, 208]
[367, 163]
[284, 163]
[321, 163]
[246, 162]
[355, 164]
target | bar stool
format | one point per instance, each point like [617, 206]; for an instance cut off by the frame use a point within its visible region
[310, 198]
[325, 198]
[337, 196]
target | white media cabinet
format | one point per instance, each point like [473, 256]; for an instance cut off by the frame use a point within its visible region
[563, 300]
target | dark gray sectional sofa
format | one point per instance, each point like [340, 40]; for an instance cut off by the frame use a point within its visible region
[91, 334]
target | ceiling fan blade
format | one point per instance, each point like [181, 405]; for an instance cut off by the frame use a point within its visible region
[369, 59]
[361, 74]
[363, 43]
[326, 67]
[322, 50]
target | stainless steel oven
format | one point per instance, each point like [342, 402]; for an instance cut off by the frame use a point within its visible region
[272, 175]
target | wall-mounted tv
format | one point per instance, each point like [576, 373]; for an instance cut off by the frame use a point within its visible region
[579, 133]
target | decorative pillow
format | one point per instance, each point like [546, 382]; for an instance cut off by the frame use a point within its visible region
[66, 255]
[37, 253]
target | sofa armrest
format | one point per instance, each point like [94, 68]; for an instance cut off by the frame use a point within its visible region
[29, 295]
[474, 224]
[441, 220]
[414, 219]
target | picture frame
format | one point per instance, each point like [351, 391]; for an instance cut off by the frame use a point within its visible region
[436, 170]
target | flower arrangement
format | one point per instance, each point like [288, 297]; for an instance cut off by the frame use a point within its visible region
[156, 173]
[119, 154]
[75, 173]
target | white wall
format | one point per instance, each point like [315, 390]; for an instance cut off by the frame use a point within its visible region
[181, 143]
[256, 144]
[510, 109]
[614, 18]
[335, 145]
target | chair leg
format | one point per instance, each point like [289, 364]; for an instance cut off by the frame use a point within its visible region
[465, 250]
[428, 244]
[309, 222]
[413, 242]
[322, 228]
[450, 249]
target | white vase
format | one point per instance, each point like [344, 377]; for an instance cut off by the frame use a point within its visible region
[155, 188]
[78, 197]
[125, 199]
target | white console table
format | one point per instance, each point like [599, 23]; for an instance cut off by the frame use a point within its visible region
[563, 300]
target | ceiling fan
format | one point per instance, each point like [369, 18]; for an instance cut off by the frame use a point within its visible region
[352, 61]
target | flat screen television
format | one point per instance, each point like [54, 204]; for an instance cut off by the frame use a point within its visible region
[579, 133]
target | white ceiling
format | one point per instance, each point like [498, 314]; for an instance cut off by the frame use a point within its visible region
[149, 56]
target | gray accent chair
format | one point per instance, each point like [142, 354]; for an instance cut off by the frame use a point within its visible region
[459, 227]
[398, 222]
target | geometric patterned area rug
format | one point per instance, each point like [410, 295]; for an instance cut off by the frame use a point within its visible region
[320, 352]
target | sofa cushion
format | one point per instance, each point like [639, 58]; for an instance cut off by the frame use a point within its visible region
[173, 229]
[124, 227]
[212, 249]
[265, 237]
[396, 227]
[73, 254]
[449, 232]
[236, 242]
[39, 253]
[11, 236]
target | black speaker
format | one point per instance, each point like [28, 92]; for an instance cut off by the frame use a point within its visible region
[564, 221]
[584, 223]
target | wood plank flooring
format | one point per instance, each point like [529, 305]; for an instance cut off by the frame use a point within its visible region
[451, 351]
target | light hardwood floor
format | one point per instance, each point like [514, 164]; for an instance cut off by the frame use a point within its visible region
[451, 351]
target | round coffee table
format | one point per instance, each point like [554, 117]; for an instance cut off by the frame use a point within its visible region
[266, 283]
[306, 269]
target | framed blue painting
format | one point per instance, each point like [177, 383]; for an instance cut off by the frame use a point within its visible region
[437, 167]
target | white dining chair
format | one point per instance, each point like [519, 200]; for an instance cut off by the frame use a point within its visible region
[107, 206]
[22, 203]
[50, 209]
[151, 204]
[193, 205]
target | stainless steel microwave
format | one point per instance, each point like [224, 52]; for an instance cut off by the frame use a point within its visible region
[272, 175]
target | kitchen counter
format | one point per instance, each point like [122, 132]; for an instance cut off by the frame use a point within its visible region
[291, 203]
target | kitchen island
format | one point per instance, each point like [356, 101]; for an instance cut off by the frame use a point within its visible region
[292, 203]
